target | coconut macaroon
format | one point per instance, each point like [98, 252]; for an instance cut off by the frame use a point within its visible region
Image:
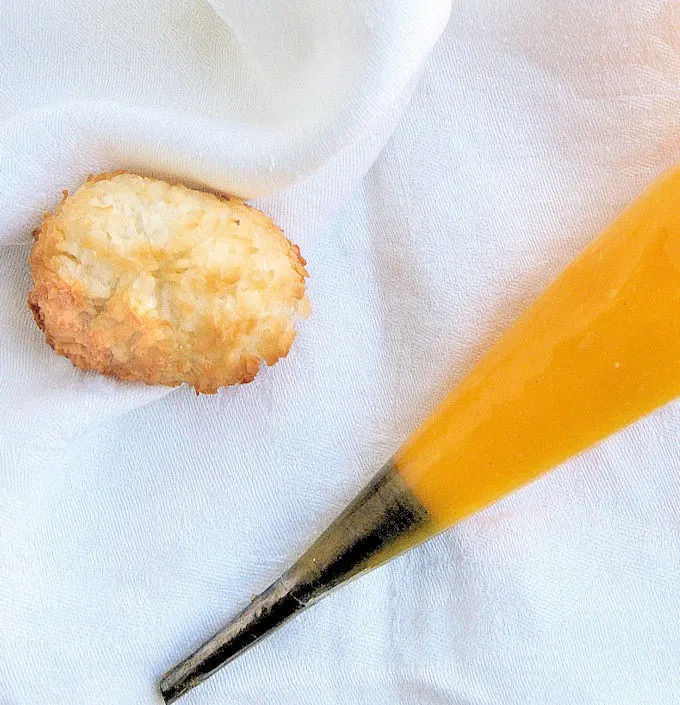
[150, 281]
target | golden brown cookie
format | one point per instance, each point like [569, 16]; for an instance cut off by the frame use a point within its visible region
[151, 281]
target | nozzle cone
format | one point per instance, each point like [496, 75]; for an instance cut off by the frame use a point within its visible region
[384, 520]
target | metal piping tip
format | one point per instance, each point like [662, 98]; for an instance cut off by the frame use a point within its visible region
[384, 520]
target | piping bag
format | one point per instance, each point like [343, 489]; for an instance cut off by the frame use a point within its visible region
[596, 351]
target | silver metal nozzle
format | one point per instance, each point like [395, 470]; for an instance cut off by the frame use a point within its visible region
[384, 520]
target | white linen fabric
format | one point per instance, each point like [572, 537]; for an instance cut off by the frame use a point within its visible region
[433, 198]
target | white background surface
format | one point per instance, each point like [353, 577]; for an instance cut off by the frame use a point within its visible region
[135, 522]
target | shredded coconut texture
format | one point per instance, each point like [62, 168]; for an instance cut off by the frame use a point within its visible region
[151, 281]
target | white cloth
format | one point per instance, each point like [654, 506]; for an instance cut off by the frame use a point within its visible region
[134, 522]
